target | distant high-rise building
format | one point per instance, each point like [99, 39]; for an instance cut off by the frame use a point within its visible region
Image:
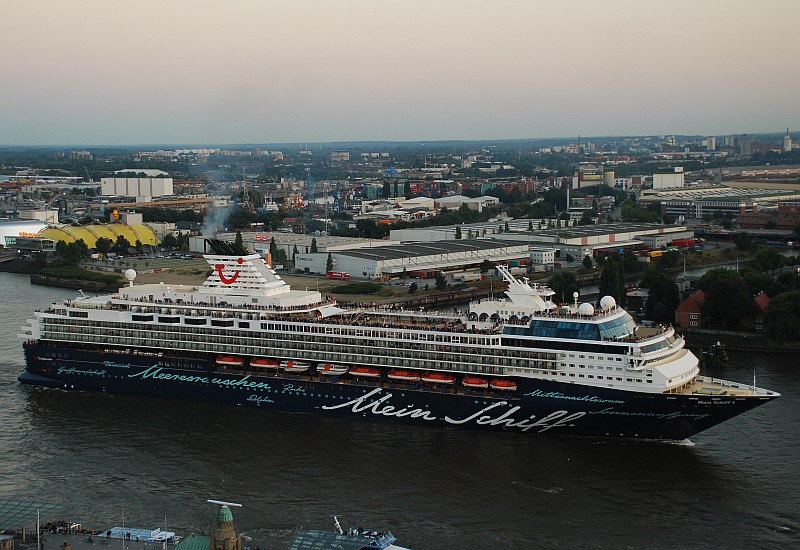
[745, 146]
[711, 143]
[787, 142]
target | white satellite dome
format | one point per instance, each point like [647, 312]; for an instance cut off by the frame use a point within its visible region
[130, 274]
[607, 302]
[586, 309]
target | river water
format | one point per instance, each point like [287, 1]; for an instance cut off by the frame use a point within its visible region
[103, 456]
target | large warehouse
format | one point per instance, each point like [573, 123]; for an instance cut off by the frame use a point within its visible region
[578, 240]
[369, 263]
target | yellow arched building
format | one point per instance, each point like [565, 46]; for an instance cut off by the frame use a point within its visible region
[90, 233]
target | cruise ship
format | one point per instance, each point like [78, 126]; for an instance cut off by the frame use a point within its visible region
[520, 363]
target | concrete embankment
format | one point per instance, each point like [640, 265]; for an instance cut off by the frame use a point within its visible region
[94, 286]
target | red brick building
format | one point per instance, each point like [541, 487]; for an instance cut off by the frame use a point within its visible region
[689, 313]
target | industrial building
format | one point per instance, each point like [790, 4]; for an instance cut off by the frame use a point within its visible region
[259, 241]
[583, 240]
[143, 188]
[468, 230]
[379, 262]
[710, 200]
[576, 240]
[19, 228]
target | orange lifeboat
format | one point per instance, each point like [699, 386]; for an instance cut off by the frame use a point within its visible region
[230, 360]
[365, 372]
[403, 375]
[438, 378]
[473, 382]
[264, 363]
[503, 384]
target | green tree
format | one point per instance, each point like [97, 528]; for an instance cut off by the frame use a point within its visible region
[486, 266]
[387, 189]
[783, 317]
[631, 263]
[238, 242]
[169, 241]
[769, 259]
[412, 288]
[505, 228]
[314, 245]
[587, 262]
[122, 245]
[441, 281]
[663, 296]
[280, 258]
[329, 263]
[295, 252]
[564, 284]
[458, 232]
[404, 274]
[570, 258]
[407, 190]
[612, 279]
[727, 298]
[530, 225]
[669, 259]
[273, 249]
[103, 246]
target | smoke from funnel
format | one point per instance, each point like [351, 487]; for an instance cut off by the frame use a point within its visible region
[214, 220]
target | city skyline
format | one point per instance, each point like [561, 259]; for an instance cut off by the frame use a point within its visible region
[88, 72]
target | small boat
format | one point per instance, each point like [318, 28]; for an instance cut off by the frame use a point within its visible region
[714, 355]
[355, 537]
[332, 370]
[230, 360]
[264, 363]
[502, 384]
[295, 366]
[474, 382]
[365, 372]
[403, 375]
[438, 378]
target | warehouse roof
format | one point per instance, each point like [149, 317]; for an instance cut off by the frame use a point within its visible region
[416, 250]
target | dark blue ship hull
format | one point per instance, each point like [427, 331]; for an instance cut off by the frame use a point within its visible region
[536, 406]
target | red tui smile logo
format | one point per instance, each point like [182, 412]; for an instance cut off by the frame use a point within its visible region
[228, 280]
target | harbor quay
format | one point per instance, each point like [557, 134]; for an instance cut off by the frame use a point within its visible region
[74, 536]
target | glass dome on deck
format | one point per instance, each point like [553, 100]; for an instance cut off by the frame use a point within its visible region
[577, 329]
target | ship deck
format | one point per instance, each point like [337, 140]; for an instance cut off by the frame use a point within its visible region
[702, 385]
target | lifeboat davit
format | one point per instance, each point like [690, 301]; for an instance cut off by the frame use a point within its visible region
[503, 384]
[264, 363]
[295, 366]
[474, 382]
[438, 378]
[332, 370]
[403, 375]
[365, 372]
[230, 360]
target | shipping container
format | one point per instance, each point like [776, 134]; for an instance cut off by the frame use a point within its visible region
[423, 273]
[338, 275]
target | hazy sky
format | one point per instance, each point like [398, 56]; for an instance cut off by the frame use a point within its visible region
[235, 71]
